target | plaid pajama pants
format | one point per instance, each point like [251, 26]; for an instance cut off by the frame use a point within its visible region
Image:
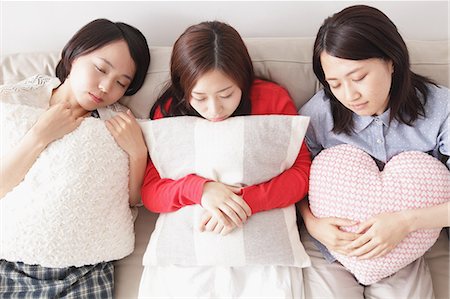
[19, 280]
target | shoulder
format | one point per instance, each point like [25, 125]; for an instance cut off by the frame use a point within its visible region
[438, 93]
[158, 112]
[33, 91]
[318, 105]
[437, 99]
[270, 98]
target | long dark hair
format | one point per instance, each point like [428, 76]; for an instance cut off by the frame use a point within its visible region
[362, 32]
[201, 48]
[99, 33]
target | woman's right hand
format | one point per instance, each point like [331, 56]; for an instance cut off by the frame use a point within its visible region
[224, 204]
[56, 122]
[210, 223]
[327, 231]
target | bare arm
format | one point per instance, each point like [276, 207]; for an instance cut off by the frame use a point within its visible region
[137, 171]
[383, 232]
[127, 133]
[327, 230]
[431, 217]
[16, 164]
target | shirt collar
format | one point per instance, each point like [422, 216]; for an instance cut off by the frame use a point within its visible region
[362, 122]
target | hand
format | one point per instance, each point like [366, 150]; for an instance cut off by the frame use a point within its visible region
[227, 207]
[381, 234]
[211, 224]
[56, 122]
[328, 232]
[127, 133]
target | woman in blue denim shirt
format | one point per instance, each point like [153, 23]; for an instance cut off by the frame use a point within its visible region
[372, 100]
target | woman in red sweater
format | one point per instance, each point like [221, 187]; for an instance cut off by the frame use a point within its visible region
[212, 77]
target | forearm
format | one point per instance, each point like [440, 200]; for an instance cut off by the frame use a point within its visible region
[426, 218]
[16, 164]
[137, 172]
[305, 211]
[162, 195]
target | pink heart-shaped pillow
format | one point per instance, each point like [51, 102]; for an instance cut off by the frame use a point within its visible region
[345, 182]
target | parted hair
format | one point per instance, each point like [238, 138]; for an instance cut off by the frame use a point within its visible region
[362, 32]
[99, 33]
[202, 48]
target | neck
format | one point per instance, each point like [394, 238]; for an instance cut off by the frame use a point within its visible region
[63, 94]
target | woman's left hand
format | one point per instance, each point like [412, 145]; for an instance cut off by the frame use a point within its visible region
[127, 133]
[380, 234]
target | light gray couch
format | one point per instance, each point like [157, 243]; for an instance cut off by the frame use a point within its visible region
[286, 61]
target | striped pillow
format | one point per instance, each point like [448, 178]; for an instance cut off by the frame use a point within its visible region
[239, 151]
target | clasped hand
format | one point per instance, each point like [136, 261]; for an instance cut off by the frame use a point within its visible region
[225, 209]
[374, 237]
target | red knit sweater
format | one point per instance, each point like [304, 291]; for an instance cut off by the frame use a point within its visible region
[166, 195]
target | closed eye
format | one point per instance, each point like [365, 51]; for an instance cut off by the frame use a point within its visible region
[121, 84]
[99, 69]
[334, 86]
[359, 79]
[227, 96]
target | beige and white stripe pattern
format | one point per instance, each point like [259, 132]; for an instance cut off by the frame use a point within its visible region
[239, 151]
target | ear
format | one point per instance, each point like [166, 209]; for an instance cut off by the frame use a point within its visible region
[391, 66]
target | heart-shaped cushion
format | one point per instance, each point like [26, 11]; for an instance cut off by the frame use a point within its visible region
[345, 182]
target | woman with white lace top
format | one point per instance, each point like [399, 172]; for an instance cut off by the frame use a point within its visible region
[101, 63]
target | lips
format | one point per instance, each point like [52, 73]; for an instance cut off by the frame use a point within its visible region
[95, 99]
[218, 119]
[359, 106]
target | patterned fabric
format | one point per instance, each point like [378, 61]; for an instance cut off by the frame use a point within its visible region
[346, 183]
[19, 280]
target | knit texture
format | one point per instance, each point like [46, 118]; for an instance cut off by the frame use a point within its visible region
[72, 207]
[345, 182]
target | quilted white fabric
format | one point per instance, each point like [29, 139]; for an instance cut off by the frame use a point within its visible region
[345, 182]
[239, 151]
[72, 207]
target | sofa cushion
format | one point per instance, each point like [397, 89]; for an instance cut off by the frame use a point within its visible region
[239, 151]
[345, 182]
[286, 61]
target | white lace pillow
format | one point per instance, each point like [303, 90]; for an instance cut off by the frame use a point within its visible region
[239, 151]
[72, 207]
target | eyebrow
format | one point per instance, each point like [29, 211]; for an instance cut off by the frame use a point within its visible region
[216, 92]
[110, 64]
[348, 74]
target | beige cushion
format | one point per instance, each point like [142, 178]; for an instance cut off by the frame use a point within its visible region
[286, 61]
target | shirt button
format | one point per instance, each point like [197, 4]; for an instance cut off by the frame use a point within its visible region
[379, 141]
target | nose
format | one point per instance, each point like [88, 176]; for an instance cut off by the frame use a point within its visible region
[214, 107]
[104, 85]
[350, 93]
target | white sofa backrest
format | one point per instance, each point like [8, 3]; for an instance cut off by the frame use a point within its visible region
[286, 61]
